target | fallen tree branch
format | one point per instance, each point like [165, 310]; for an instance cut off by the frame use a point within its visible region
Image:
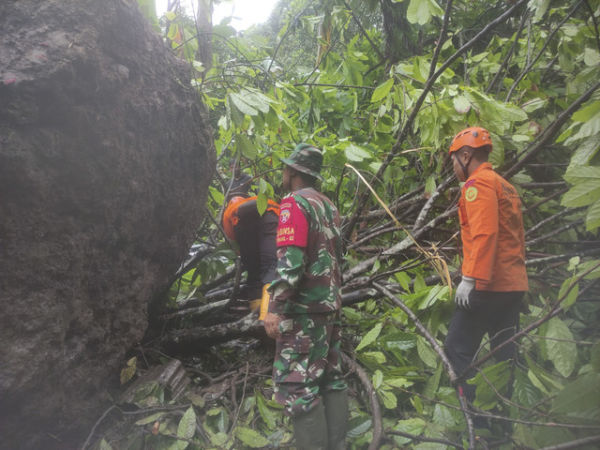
[424, 438]
[574, 444]
[403, 245]
[559, 230]
[375, 408]
[436, 347]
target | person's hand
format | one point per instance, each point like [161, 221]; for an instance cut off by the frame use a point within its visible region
[271, 324]
[463, 290]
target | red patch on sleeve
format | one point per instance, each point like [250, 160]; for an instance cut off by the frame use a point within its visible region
[293, 226]
[470, 182]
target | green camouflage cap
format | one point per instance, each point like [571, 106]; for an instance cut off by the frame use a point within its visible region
[306, 159]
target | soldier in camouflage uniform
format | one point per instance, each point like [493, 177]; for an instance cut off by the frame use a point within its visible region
[304, 309]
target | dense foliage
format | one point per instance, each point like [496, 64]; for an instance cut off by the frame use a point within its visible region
[331, 73]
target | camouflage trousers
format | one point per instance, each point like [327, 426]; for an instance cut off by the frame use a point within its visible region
[307, 360]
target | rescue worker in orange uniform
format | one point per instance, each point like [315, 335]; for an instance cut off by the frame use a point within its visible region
[255, 236]
[494, 278]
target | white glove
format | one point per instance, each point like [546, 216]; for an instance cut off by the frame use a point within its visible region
[463, 290]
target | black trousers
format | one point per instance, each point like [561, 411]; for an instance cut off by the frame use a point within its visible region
[256, 238]
[494, 313]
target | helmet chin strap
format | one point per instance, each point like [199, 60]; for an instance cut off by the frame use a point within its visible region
[463, 167]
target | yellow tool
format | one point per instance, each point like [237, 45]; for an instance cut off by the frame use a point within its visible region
[264, 302]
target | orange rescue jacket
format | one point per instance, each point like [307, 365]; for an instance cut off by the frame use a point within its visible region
[231, 216]
[493, 238]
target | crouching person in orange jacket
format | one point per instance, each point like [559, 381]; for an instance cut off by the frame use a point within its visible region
[494, 278]
[255, 235]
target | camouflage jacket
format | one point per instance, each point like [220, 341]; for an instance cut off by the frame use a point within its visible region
[309, 255]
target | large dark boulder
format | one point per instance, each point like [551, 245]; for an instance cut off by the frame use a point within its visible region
[105, 159]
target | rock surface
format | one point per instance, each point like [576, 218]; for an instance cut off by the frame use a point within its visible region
[105, 159]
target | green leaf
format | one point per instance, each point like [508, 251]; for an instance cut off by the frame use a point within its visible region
[580, 399]
[358, 426]
[427, 355]
[268, 416]
[382, 90]
[592, 220]
[370, 337]
[150, 419]
[433, 382]
[461, 104]
[245, 146]
[524, 391]
[430, 185]
[398, 382]
[377, 357]
[238, 101]
[499, 116]
[591, 57]
[219, 439]
[251, 437]
[582, 194]
[581, 174]
[377, 379]
[563, 354]
[389, 399]
[186, 428]
[104, 445]
[128, 372]
[497, 376]
[442, 416]
[217, 195]
[436, 293]
[261, 203]
[587, 112]
[571, 296]
[414, 426]
[403, 279]
[356, 153]
[421, 11]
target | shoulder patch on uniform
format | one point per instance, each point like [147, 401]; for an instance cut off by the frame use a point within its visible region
[293, 226]
[471, 193]
[470, 182]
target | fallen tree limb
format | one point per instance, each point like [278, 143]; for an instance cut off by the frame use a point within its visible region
[424, 438]
[375, 408]
[436, 347]
[403, 245]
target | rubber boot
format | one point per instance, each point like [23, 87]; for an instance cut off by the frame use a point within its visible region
[336, 412]
[310, 429]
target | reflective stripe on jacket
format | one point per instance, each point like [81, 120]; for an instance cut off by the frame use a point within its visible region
[491, 225]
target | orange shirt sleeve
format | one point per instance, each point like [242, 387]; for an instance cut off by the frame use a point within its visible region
[479, 228]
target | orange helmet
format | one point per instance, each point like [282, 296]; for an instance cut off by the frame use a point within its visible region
[473, 137]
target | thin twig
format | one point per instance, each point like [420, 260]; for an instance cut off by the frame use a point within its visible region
[574, 444]
[87, 441]
[363, 32]
[541, 52]
[509, 54]
[424, 438]
[549, 132]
